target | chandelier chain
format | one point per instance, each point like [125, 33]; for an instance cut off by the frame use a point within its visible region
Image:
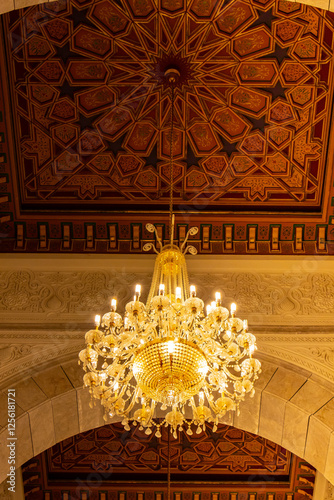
[171, 174]
[168, 469]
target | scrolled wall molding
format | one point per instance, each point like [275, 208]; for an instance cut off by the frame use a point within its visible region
[266, 298]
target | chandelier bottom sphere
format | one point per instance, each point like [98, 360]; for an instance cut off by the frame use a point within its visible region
[169, 371]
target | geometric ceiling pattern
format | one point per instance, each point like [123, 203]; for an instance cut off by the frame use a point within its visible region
[117, 460]
[251, 104]
[91, 110]
[131, 454]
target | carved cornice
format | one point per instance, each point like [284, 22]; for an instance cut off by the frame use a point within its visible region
[265, 298]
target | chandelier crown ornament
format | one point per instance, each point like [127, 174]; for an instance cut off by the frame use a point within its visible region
[166, 362]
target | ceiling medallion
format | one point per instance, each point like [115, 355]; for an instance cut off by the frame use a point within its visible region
[172, 62]
[166, 359]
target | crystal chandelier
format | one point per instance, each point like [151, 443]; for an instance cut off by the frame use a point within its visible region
[166, 362]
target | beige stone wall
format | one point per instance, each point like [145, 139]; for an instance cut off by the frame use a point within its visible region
[321, 4]
[8, 5]
[47, 304]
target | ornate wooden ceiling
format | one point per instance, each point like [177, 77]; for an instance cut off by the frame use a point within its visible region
[230, 460]
[85, 137]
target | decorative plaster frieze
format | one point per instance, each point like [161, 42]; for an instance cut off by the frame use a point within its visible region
[265, 298]
[47, 305]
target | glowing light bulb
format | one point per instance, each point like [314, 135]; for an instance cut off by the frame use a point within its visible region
[245, 324]
[116, 386]
[161, 289]
[137, 292]
[192, 291]
[178, 293]
[218, 298]
[97, 320]
[208, 309]
[113, 304]
[203, 370]
[171, 346]
[233, 308]
[213, 305]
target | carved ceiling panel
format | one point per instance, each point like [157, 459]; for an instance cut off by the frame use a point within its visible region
[93, 111]
[112, 460]
[228, 451]
[91, 108]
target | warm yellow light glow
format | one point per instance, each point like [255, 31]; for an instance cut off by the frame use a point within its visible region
[171, 346]
[201, 397]
[167, 354]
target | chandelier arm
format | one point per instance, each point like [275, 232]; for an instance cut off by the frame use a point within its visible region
[230, 375]
[209, 397]
[191, 249]
[152, 229]
[122, 391]
[191, 232]
[133, 402]
[148, 247]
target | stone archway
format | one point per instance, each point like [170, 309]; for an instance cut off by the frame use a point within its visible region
[289, 408]
[48, 302]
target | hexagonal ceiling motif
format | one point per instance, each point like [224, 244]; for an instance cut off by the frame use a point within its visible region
[91, 108]
[247, 73]
[225, 452]
[109, 460]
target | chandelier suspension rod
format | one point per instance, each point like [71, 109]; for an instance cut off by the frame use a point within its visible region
[171, 174]
[168, 468]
